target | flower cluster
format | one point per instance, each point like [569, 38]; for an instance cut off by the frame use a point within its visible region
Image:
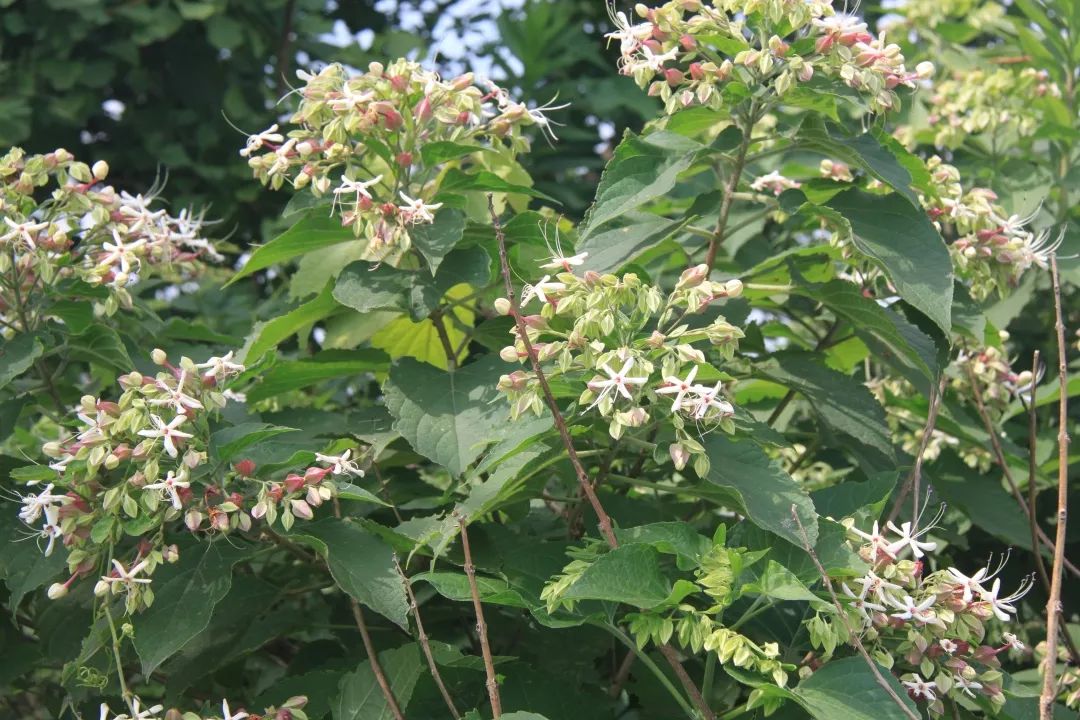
[928, 14]
[689, 51]
[975, 102]
[377, 142]
[935, 624]
[84, 229]
[991, 249]
[291, 709]
[136, 465]
[614, 334]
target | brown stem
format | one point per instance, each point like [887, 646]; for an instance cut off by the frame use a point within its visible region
[842, 614]
[369, 647]
[915, 475]
[444, 339]
[284, 44]
[1053, 605]
[481, 625]
[424, 643]
[999, 456]
[1033, 517]
[729, 196]
[622, 674]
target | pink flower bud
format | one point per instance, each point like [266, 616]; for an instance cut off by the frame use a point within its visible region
[696, 73]
[509, 354]
[193, 519]
[692, 277]
[679, 455]
[687, 42]
[313, 497]
[245, 468]
[404, 160]
[259, 510]
[301, 509]
[422, 111]
[293, 482]
[673, 76]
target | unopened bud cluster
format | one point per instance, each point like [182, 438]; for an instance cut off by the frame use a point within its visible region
[59, 222]
[930, 628]
[988, 102]
[631, 347]
[691, 52]
[375, 143]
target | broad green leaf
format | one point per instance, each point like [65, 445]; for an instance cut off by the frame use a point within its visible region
[486, 181]
[764, 492]
[270, 334]
[327, 365]
[185, 595]
[23, 565]
[628, 574]
[847, 689]
[17, 355]
[319, 267]
[361, 697]
[644, 168]
[846, 498]
[100, 344]
[843, 403]
[440, 151]
[406, 338]
[230, 442]
[905, 244]
[668, 537]
[361, 563]
[622, 240]
[901, 343]
[447, 417]
[455, 586]
[317, 229]
[366, 286]
[776, 581]
[77, 316]
[436, 240]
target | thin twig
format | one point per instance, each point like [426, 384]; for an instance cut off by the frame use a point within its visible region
[728, 198]
[603, 518]
[915, 475]
[1053, 605]
[281, 67]
[855, 639]
[481, 625]
[1033, 465]
[444, 339]
[424, 643]
[622, 674]
[999, 456]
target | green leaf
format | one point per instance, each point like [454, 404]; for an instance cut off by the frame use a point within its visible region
[843, 403]
[327, 365]
[905, 244]
[622, 240]
[77, 316]
[899, 342]
[436, 240]
[675, 538]
[17, 355]
[365, 286]
[270, 334]
[361, 697]
[185, 595]
[847, 689]
[458, 181]
[628, 574]
[776, 581]
[440, 151]
[448, 417]
[643, 168]
[761, 488]
[231, 442]
[361, 563]
[23, 566]
[102, 345]
[317, 229]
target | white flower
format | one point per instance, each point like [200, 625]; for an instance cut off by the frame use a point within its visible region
[629, 36]
[860, 603]
[875, 586]
[921, 689]
[540, 290]
[708, 398]
[774, 182]
[558, 261]
[147, 714]
[415, 210]
[878, 542]
[966, 686]
[50, 531]
[679, 387]
[617, 381]
[1013, 642]
[973, 585]
[1003, 607]
[256, 142]
[911, 610]
[221, 368]
[653, 61]
[34, 504]
[948, 645]
[127, 577]
[909, 537]
[342, 465]
[349, 100]
[350, 186]
[26, 231]
[119, 252]
[177, 398]
[167, 432]
[171, 486]
[227, 715]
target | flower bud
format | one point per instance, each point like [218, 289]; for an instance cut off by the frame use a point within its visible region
[101, 588]
[259, 510]
[375, 68]
[509, 354]
[170, 553]
[503, 306]
[679, 455]
[193, 519]
[100, 170]
[245, 468]
[314, 499]
[159, 357]
[733, 287]
[57, 591]
[692, 277]
[293, 482]
[301, 509]
[924, 70]
[322, 184]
